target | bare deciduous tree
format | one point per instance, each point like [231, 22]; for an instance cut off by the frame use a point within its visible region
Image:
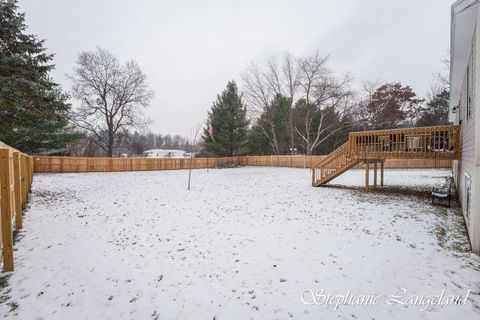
[262, 86]
[441, 80]
[112, 96]
[195, 136]
[311, 88]
[324, 95]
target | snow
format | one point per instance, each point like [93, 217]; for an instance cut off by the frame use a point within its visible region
[242, 244]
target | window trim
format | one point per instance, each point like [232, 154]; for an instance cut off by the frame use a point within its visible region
[467, 197]
[469, 105]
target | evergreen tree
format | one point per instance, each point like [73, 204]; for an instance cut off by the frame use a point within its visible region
[228, 118]
[274, 124]
[33, 109]
[258, 143]
[436, 112]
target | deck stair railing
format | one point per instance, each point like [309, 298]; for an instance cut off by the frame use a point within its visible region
[334, 164]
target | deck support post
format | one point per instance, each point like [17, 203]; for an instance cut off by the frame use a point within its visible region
[367, 169]
[381, 173]
[375, 175]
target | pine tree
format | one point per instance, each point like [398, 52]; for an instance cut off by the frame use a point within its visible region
[33, 109]
[436, 112]
[274, 123]
[258, 143]
[228, 117]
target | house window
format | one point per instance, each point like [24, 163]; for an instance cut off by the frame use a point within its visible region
[470, 84]
[467, 198]
[468, 109]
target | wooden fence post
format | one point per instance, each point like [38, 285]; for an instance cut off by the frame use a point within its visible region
[7, 205]
[29, 172]
[18, 189]
[30, 168]
[27, 169]
[23, 180]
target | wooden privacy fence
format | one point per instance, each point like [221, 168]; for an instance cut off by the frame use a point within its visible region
[16, 173]
[299, 161]
[83, 164]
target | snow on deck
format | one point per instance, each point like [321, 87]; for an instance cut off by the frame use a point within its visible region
[242, 244]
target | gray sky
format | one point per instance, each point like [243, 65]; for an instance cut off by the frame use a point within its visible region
[190, 49]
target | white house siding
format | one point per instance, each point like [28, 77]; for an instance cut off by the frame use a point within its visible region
[474, 228]
[470, 152]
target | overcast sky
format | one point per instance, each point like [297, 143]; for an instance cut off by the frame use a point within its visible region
[190, 49]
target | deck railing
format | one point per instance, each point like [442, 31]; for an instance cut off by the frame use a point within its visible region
[439, 142]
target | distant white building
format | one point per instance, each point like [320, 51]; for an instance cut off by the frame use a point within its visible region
[464, 100]
[165, 153]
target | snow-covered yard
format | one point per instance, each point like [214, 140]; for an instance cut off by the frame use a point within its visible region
[244, 243]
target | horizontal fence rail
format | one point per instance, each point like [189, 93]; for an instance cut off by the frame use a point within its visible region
[16, 174]
[82, 164]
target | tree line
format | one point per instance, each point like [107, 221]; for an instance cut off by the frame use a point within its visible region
[297, 105]
[287, 105]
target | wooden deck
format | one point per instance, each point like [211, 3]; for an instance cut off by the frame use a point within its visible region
[373, 147]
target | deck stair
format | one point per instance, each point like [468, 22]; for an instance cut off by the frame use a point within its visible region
[438, 142]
